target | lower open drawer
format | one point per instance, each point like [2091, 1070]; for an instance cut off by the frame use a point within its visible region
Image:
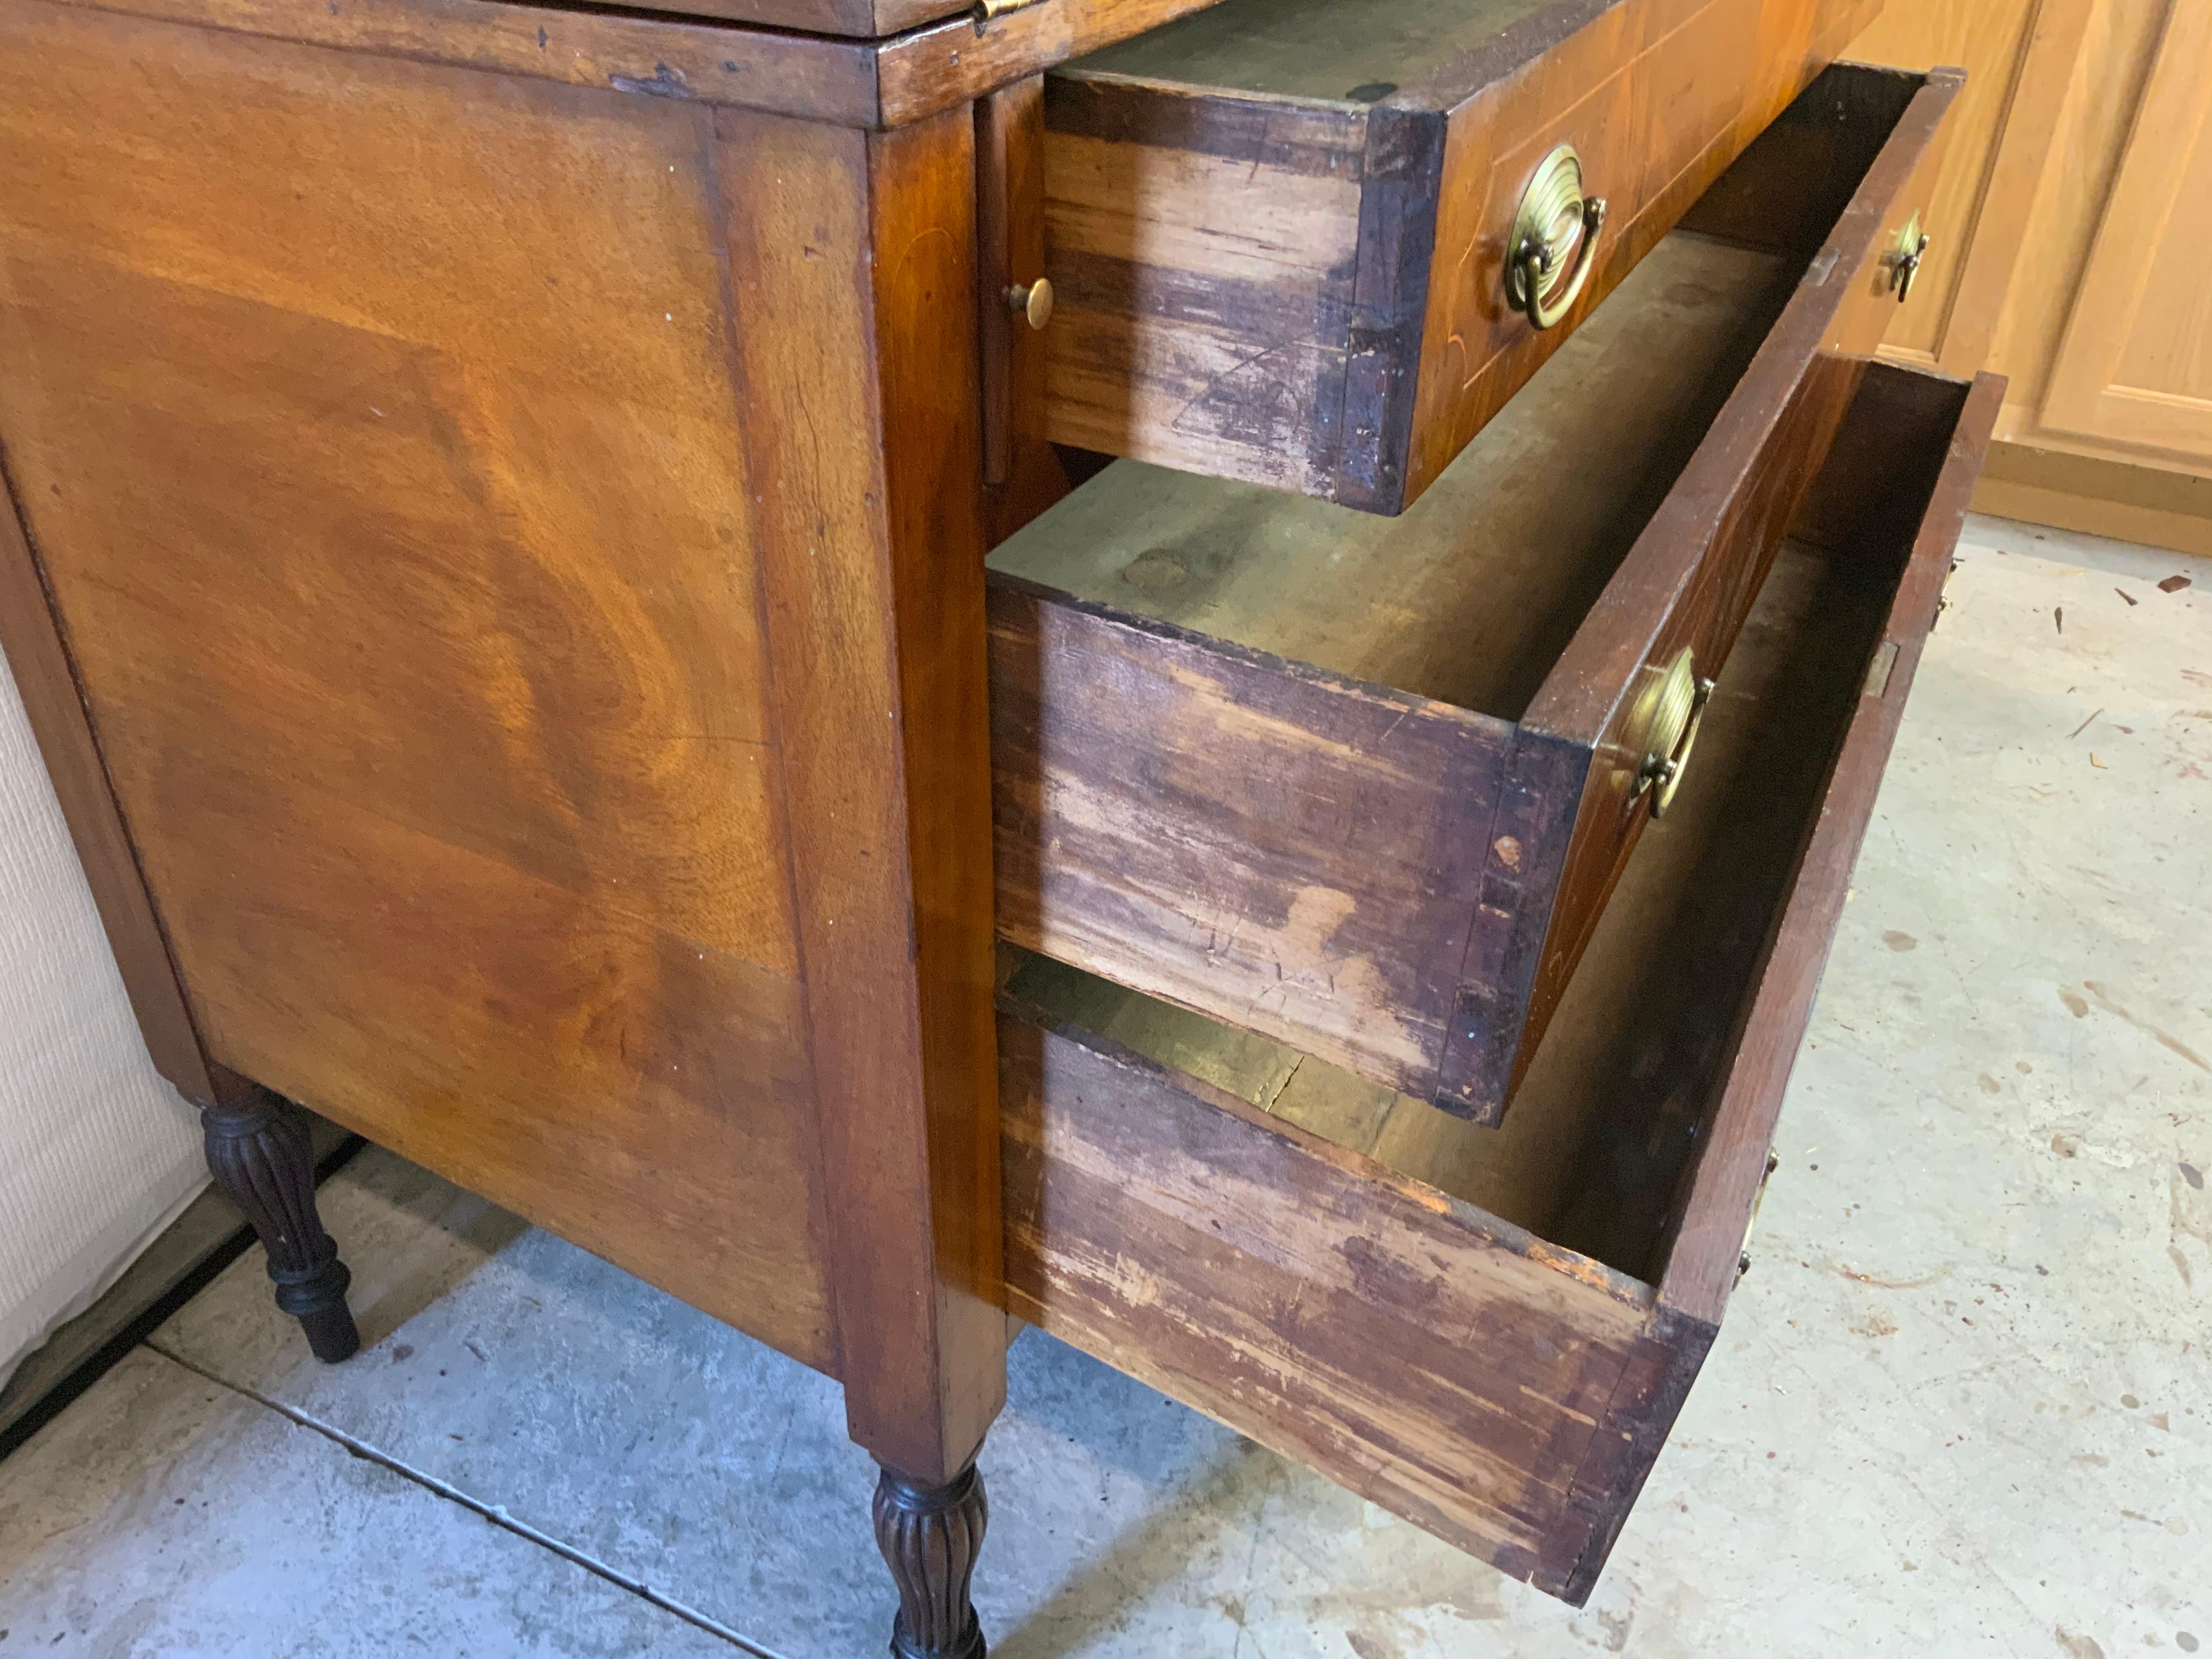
[1490, 1331]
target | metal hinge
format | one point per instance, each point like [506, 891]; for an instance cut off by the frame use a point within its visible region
[984, 10]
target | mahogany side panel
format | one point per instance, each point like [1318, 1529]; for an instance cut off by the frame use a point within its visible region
[1204, 247]
[31, 640]
[1305, 859]
[412, 576]
[1457, 1371]
[1690, 578]
[853, 265]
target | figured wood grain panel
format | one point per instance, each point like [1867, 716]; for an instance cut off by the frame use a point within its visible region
[853, 269]
[395, 501]
[2018, 56]
[1691, 577]
[1657, 99]
[31, 640]
[884, 82]
[2134, 368]
[1288, 849]
[1451, 1369]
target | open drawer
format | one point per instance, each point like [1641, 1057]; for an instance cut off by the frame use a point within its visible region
[1364, 785]
[1490, 1332]
[1285, 234]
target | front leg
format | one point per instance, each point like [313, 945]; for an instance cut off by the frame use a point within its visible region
[262, 1157]
[930, 1536]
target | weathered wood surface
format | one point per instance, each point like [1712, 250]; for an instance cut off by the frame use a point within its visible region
[1629, 505]
[1440, 1364]
[1286, 847]
[1265, 281]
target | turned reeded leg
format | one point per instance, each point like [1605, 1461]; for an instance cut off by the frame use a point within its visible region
[930, 1536]
[260, 1153]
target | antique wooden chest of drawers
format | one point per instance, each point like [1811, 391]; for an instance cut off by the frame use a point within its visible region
[574, 589]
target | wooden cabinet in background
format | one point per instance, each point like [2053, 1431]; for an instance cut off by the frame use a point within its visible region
[2066, 254]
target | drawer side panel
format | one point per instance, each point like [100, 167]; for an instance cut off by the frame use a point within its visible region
[1289, 850]
[1361, 1323]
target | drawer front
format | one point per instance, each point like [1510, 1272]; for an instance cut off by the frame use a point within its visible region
[1308, 292]
[1693, 574]
[1395, 883]
[1507, 1392]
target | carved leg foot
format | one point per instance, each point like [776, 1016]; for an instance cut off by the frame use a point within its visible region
[259, 1152]
[930, 1536]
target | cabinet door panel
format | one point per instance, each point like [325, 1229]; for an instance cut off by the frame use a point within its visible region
[2134, 368]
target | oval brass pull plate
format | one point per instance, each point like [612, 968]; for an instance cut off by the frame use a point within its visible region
[1554, 239]
[1904, 259]
[1673, 708]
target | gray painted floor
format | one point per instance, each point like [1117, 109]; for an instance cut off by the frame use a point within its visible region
[1962, 1404]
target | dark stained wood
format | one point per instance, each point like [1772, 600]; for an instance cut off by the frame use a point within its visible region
[1268, 283]
[1718, 1199]
[930, 1533]
[852, 264]
[31, 639]
[1494, 1385]
[262, 1156]
[875, 83]
[1694, 571]
[1023, 473]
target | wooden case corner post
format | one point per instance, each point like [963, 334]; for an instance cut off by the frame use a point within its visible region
[854, 266]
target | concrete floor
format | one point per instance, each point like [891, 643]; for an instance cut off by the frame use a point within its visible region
[1962, 1405]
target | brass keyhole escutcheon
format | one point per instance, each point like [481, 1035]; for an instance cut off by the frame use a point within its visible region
[1905, 259]
[1031, 301]
[1553, 241]
[1672, 706]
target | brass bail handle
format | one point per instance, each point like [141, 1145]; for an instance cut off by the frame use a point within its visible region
[1555, 223]
[1905, 259]
[1676, 708]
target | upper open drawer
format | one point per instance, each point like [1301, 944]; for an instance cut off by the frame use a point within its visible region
[1287, 237]
[1365, 784]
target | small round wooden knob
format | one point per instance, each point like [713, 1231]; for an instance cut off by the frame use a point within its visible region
[1032, 301]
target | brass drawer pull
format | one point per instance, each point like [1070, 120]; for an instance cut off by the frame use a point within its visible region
[1554, 239]
[1676, 706]
[1905, 259]
[1032, 302]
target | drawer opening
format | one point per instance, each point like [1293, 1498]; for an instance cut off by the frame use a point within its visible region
[1609, 1116]
[1470, 597]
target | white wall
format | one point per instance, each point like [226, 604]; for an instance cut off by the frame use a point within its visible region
[97, 1153]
